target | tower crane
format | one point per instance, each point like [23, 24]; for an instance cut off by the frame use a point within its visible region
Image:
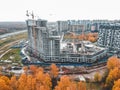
[33, 28]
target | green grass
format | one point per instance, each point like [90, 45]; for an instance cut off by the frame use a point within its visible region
[15, 53]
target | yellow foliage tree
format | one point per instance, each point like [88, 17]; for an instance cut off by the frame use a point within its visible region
[97, 77]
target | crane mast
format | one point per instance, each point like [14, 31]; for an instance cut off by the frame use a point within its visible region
[33, 28]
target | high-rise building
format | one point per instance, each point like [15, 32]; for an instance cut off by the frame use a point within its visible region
[109, 36]
[42, 42]
[49, 45]
[62, 26]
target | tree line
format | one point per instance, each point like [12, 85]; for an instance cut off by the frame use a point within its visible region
[35, 78]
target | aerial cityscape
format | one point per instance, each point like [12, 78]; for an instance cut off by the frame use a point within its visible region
[60, 45]
[84, 50]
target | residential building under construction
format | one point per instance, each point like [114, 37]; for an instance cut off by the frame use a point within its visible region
[51, 47]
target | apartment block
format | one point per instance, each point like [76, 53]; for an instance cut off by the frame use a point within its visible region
[109, 36]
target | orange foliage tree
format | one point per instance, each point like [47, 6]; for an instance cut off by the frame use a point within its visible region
[113, 62]
[90, 36]
[22, 82]
[54, 71]
[39, 80]
[13, 82]
[66, 84]
[33, 68]
[43, 80]
[113, 75]
[116, 85]
[81, 86]
[4, 85]
[25, 68]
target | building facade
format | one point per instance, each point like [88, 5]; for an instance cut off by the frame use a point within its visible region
[109, 36]
[76, 26]
[42, 42]
[48, 45]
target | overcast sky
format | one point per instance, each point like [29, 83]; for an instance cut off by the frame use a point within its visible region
[53, 10]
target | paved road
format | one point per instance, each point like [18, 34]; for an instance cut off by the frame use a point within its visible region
[13, 33]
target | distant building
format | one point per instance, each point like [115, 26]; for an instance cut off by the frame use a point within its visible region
[109, 36]
[76, 26]
[62, 26]
[73, 26]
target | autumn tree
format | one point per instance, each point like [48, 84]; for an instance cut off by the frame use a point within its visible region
[113, 75]
[81, 86]
[112, 62]
[80, 37]
[92, 39]
[13, 82]
[25, 68]
[116, 85]
[54, 73]
[5, 83]
[54, 70]
[113, 65]
[97, 77]
[90, 36]
[39, 80]
[33, 68]
[66, 83]
[6, 79]
[22, 82]
[4, 86]
[30, 83]
[43, 80]
[1, 68]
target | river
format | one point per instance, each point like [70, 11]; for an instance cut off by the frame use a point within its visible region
[13, 33]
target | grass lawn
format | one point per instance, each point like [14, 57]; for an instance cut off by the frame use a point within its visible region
[13, 55]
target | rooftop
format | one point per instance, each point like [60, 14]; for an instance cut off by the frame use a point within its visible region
[80, 47]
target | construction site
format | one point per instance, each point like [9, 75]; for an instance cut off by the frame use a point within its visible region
[46, 46]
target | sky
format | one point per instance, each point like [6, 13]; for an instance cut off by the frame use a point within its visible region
[53, 10]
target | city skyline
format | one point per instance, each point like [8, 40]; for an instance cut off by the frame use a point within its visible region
[53, 10]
